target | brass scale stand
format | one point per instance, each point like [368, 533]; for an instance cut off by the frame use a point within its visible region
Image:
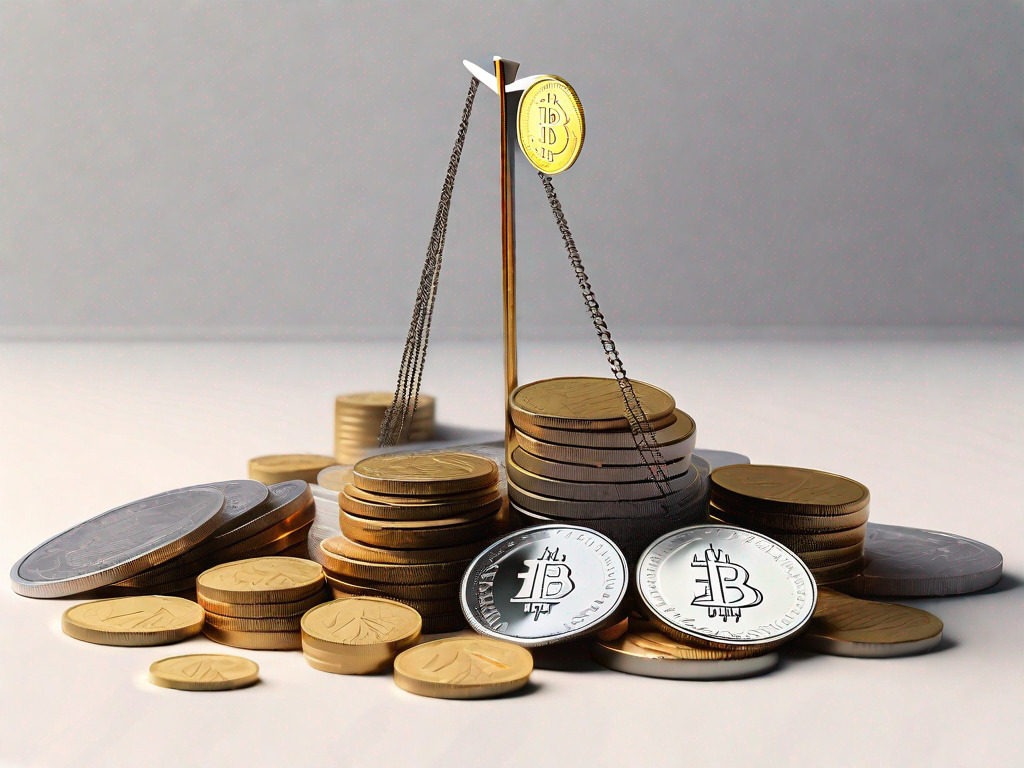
[510, 92]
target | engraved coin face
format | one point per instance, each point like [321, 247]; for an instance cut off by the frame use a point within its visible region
[426, 473]
[204, 672]
[119, 543]
[912, 562]
[362, 621]
[725, 587]
[335, 477]
[242, 499]
[130, 621]
[545, 585]
[261, 579]
[551, 124]
[581, 402]
[792, 489]
[463, 668]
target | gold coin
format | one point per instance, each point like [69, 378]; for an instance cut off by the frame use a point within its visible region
[133, 621]
[614, 632]
[204, 672]
[671, 429]
[644, 640]
[425, 474]
[584, 403]
[477, 496]
[378, 534]
[359, 635]
[463, 668]
[849, 626]
[378, 401]
[264, 610]
[594, 491]
[288, 466]
[255, 641]
[393, 573]
[262, 580]
[551, 124]
[430, 591]
[340, 545]
[777, 521]
[475, 512]
[335, 478]
[256, 624]
[416, 514]
[813, 542]
[826, 558]
[600, 457]
[575, 473]
[760, 488]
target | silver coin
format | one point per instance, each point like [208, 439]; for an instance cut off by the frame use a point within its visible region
[723, 458]
[545, 585]
[914, 562]
[684, 669]
[724, 585]
[242, 499]
[119, 543]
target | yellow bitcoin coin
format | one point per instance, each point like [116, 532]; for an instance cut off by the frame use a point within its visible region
[463, 668]
[132, 621]
[551, 124]
[204, 672]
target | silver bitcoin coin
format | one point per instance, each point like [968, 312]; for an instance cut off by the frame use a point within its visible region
[913, 562]
[119, 543]
[718, 459]
[725, 586]
[545, 585]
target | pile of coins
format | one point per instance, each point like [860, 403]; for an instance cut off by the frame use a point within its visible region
[259, 603]
[410, 524]
[576, 460]
[820, 516]
[357, 420]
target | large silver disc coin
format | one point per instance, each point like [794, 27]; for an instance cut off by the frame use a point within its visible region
[725, 586]
[545, 585]
[119, 543]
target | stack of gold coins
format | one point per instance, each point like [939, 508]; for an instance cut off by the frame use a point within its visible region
[821, 517]
[259, 603]
[576, 460]
[411, 524]
[357, 420]
[358, 635]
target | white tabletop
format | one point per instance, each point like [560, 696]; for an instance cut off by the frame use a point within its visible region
[934, 428]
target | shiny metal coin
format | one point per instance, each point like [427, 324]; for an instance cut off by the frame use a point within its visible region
[118, 543]
[913, 562]
[725, 587]
[545, 585]
[723, 458]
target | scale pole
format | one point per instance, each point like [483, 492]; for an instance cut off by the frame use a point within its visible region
[505, 71]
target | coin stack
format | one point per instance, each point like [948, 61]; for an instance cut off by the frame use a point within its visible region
[576, 461]
[256, 521]
[357, 420]
[411, 524]
[819, 516]
[259, 603]
[358, 635]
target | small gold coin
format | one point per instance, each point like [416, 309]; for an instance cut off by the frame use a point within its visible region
[255, 641]
[849, 626]
[463, 668]
[335, 477]
[264, 610]
[584, 403]
[359, 635]
[204, 672]
[288, 466]
[262, 580]
[133, 621]
[760, 488]
[425, 474]
[340, 545]
[551, 124]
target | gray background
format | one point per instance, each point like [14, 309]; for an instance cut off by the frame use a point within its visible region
[172, 169]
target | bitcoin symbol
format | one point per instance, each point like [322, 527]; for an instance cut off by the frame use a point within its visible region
[546, 581]
[727, 589]
[551, 124]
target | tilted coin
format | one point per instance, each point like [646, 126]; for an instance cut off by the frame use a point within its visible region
[396, 573]
[760, 488]
[255, 641]
[340, 545]
[584, 403]
[335, 477]
[588, 510]
[545, 585]
[118, 543]
[914, 562]
[669, 429]
[262, 580]
[445, 590]
[579, 473]
[358, 635]
[254, 624]
[849, 626]
[425, 473]
[792, 523]
[133, 621]
[550, 124]
[380, 534]
[263, 610]
[647, 652]
[288, 466]
[596, 491]
[463, 668]
[204, 672]
[724, 587]
[599, 457]
[723, 458]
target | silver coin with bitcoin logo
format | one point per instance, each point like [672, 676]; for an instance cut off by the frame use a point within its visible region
[551, 124]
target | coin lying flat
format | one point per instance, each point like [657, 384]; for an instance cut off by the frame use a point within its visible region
[673, 428]
[760, 488]
[288, 466]
[463, 668]
[204, 672]
[254, 624]
[133, 621]
[262, 580]
[768, 520]
[118, 543]
[425, 473]
[359, 635]
[584, 403]
[335, 477]
[442, 590]
[255, 641]
[263, 610]
[339, 545]
[399, 517]
[644, 651]
[378, 534]
[724, 587]
[913, 562]
[849, 626]
[545, 585]
[688, 487]
[396, 573]
[578, 473]
[377, 402]
[599, 457]
[596, 491]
